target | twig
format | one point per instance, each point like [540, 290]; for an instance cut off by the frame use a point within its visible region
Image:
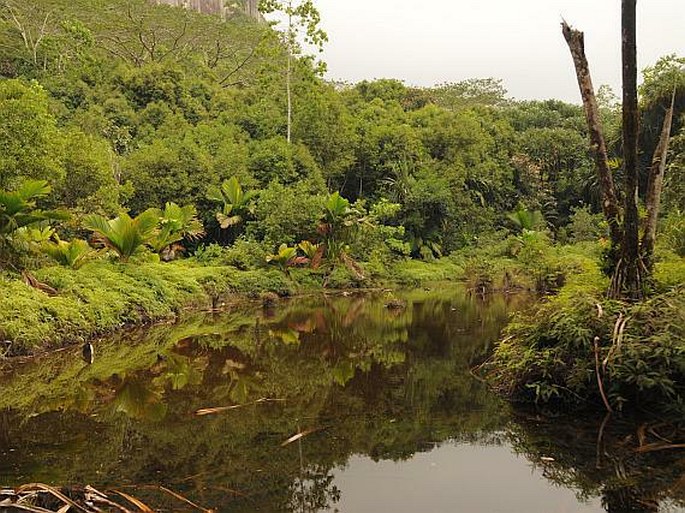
[183, 499]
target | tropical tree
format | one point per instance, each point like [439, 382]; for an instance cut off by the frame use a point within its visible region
[124, 235]
[175, 224]
[32, 145]
[18, 210]
[236, 202]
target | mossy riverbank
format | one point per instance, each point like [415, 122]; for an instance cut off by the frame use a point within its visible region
[103, 297]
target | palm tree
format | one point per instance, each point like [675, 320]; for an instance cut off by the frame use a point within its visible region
[236, 202]
[123, 234]
[18, 210]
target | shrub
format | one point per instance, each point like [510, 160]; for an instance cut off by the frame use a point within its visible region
[673, 232]
[549, 355]
[586, 226]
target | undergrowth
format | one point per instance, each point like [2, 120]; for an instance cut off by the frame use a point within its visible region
[555, 354]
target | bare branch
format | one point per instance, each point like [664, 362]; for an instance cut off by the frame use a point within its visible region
[610, 207]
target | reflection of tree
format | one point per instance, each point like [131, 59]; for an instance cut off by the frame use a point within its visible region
[313, 491]
[602, 460]
[5, 440]
[138, 400]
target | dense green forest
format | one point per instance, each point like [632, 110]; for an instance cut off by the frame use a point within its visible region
[135, 134]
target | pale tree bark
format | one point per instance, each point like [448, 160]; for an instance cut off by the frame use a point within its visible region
[29, 26]
[289, 72]
[610, 205]
[628, 280]
[654, 187]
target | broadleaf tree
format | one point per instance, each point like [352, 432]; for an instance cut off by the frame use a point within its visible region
[302, 20]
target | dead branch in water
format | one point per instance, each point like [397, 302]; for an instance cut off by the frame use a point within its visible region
[42, 498]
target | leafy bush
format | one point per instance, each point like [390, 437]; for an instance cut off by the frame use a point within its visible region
[287, 215]
[586, 226]
[549, 355]
[539, 260]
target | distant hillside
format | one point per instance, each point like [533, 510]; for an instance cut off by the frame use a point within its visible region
[218, 7]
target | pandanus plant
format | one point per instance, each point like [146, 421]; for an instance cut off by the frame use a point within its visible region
[175, 224]
[286, 257]
[527, 219]
[72, 254]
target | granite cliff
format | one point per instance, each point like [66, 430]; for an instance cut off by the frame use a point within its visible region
[217, 7]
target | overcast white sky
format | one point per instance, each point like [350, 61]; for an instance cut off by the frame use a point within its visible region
[425, 42]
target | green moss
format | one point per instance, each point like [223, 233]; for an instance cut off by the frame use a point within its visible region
[416, 272]
[101, 297]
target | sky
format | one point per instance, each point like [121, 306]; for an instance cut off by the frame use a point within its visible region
[427, 42]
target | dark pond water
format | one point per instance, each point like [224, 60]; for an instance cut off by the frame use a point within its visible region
[389, 417]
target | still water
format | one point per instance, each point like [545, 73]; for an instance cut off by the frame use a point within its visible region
[319, 404]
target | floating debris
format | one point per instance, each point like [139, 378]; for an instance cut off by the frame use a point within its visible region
[42, 498]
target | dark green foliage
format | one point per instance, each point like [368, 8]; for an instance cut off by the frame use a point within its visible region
[287, 214]
[586, 226]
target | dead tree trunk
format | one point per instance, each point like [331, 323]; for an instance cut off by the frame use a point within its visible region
[654, 187]
[610, 206]
[628, 278]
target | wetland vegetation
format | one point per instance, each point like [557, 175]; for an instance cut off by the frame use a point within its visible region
[168, 179]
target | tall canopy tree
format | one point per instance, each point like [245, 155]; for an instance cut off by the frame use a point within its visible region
[303, 18]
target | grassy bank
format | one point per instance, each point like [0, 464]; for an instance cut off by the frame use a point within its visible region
[102, 297]
[577, 347]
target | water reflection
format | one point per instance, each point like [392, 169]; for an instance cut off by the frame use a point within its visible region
[609, 458]
[378, 392]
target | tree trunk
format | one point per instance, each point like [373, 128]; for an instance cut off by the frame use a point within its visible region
[654, 186]
[289, 71]
[610, 206]
[628, 279]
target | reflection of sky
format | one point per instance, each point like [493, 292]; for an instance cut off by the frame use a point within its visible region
[464, 478]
